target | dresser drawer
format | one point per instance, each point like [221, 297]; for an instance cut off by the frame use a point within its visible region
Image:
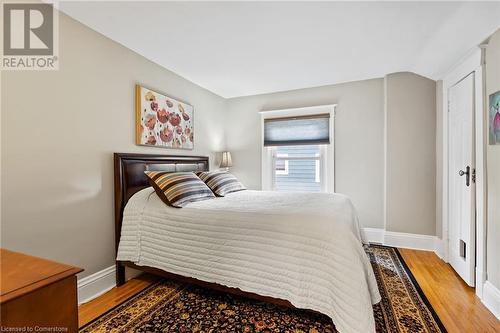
[37, 295]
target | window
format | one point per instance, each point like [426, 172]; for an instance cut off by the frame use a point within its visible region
[298, 168]
[297, 152]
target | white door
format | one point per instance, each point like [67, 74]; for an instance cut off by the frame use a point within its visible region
[461, 229]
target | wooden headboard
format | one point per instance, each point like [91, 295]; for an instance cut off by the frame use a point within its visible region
[130, 177]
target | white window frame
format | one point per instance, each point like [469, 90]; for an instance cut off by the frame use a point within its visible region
[327, 160]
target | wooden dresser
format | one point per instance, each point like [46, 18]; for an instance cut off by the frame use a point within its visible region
[37, 295]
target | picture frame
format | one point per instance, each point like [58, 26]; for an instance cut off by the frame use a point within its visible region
[162, 121]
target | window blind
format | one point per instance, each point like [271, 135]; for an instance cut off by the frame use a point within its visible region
[293, 131]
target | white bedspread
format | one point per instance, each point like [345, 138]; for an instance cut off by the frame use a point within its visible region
[304, 248]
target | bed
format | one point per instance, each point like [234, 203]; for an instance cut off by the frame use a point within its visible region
[301, 250]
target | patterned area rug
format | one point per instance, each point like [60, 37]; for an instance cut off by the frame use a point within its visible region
[167, 306]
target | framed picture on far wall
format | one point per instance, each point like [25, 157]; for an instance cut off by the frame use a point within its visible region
[494, 118]
[162, 121]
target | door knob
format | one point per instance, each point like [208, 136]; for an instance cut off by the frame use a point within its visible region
[467, 175]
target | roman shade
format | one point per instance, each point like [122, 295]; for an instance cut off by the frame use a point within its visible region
[293, 131]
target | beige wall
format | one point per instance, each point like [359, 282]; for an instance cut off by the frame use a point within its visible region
[59, 130]
[358, 139]
[493, 168]
[410, 154]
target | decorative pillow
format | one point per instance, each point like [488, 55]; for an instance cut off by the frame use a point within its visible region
[221, 182]
[178, 188]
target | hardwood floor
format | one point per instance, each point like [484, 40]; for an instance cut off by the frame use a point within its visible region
[93, 309]
[456, 304]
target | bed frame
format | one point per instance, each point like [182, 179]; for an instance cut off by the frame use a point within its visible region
[129, 179]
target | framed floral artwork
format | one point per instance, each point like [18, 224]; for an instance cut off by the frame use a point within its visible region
[162, 121]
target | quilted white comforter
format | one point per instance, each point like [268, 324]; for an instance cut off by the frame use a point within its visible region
[304, 248]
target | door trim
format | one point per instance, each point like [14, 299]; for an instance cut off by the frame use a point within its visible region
[473, 63]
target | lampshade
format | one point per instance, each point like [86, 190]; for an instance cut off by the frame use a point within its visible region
[226, 160]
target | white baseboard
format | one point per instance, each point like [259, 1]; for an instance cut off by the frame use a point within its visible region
[96, 284]
[372, 235]
[401, 239]
[491, 298]
[410, 241]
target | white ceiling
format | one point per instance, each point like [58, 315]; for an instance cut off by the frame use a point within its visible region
[246, 48]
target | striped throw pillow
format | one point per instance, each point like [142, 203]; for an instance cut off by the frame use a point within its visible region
[221, 182]
[177, 189]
